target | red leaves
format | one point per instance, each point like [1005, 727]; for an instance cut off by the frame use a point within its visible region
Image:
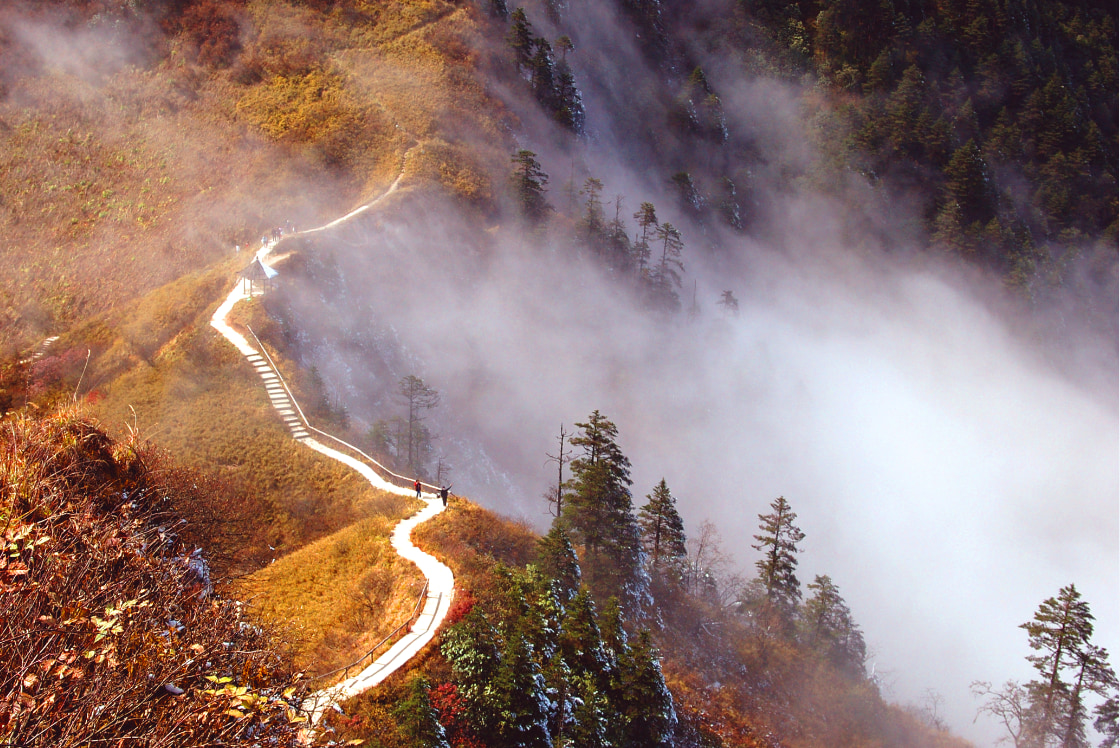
[462, 604]
[452, 712]
[95, 614]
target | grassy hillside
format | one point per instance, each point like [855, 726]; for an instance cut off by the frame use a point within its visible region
[140, 143]
[112, 630]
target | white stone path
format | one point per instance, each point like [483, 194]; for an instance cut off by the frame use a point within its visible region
[441, 583]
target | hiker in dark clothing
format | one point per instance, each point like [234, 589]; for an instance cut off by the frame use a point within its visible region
[443, 494]
[416, 485]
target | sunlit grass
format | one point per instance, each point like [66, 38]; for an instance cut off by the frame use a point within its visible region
[339, 595]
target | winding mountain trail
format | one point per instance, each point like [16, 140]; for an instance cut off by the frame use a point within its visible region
[440, 581]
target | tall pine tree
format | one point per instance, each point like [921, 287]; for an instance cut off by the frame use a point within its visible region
[599, 515]
[778, 566]
[1069, 667]
[663, 534]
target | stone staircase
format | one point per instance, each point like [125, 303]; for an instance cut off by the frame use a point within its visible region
[278, 394]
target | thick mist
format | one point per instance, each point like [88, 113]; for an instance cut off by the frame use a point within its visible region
[950, 470]
[951, 462]
[946, 475]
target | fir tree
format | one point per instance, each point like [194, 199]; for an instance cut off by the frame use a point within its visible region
[558, 562]
[419, 397]
[529, 182]
[728, 303]
[663, 534]
[593, 220]
[598, 512]
[966, 183]
[647, 716]
[829, 628]
[417, 718]
[521, 39]
[646, 218]
[1069, 667]
[616, 242]
[664, 277]
[543, 74]
[778, 565]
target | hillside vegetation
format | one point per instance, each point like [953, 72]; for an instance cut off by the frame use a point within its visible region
[528, 659]
[146, 147]
[140, 142]
[112, 628]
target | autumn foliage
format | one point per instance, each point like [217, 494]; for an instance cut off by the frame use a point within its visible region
[111, 628]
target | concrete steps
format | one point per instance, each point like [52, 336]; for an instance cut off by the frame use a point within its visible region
[278, 395]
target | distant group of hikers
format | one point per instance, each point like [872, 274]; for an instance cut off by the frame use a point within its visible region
[443, 491]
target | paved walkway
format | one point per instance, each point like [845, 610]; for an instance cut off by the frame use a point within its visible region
[441, 583]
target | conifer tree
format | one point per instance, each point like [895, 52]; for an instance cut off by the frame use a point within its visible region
[419, 397]
[728, 303]
[593, 220]
[966, 183]
[829, 628]
[568, 110]
[558, 562]
[1069, 667]
[1108, 722]
[665, 276]
[778, 565]
[645, 706]
[529, 182]
[647, 228]
[599, 515]
[543, 74]
[616, 244]
[417, 718]
[521, 38]
[663, 534]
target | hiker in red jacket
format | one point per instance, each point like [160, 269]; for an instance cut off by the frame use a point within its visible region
[416, 485]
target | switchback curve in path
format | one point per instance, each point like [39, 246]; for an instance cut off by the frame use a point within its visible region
[440, 581]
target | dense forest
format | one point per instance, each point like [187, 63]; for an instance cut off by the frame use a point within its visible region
[998, 118]
[1001, 114]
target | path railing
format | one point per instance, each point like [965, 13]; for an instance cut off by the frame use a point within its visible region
[387, 474]
[346, 668]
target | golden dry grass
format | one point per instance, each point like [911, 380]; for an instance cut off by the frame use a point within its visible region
[114, 186]
[338, 596]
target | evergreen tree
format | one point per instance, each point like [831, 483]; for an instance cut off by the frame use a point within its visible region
[543, 74]
[728, 303]
[529, 182]
[1108, 722]
[558, 562]
[598, 512]
[665, 276]
[593, 221]
[663, 534]
[416, 717]
[616, 244]
[829, 629]
[569, 110]
[521, 39]
[418, 397]
[966, 183]
[647, 717]
[646, 218]
[1069, 667]
[778, 565]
